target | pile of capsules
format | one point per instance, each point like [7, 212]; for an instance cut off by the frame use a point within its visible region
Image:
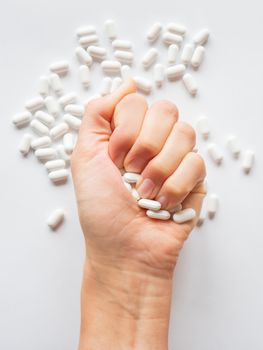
[43, 113]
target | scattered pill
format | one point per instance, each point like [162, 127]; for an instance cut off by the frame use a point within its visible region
[159, 74]
[56, 84]
[60, 67]
[144, 85]
[83, 56]
[25, 144]
[22, 119]
[55, 219]
[159, 215]
[215, 153]
[68, 143]
[248, 161]
[110, 29]
[97, 52]
[72, 122]
[149, 204]
[118, 44]
[131, 178]
[39, 128]
[85, 30]
[45, 118]
[111, 67]
[87, 40]
[116, 82]
[106, 86]
[201, 37]
[125, 57]
[60, 175]
[35, 104]
[135, 194]
[154, 32]
[55, 164]
[45, 153]
[172, 53]
[201, 218]
[84, 76]
[203, 127]
[76, 110]
[175, 72]
[187, 54]
[126, 72]
[52, 106]
[184, 215]
[150, 58]
[190, 84]
[176, 28]
[59, 130]
[198, 56]
[43, 86]
[41, 142]
[171, 38]
[212, 205]
[70, 98]
[233, 145]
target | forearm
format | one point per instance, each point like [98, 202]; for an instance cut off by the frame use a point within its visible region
[123, 310]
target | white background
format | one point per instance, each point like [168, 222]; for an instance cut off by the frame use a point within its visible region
[218, 285]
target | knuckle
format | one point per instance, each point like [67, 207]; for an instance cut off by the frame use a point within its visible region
[187, 130]
[167, 107]
[175, 191]
[148, 148]
[159, 169]
[198, 163]
[125, 138]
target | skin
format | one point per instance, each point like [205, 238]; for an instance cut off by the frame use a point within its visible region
[127, 278]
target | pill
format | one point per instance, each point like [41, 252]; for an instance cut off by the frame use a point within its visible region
[187, 54]
[150, 57]
[84, 76]
[118, 44]
[175, 72]
[201, 218]
[35, 104]
[212, 205]
[201, 37]
[128, 186]
[198, 56]
[25, 144]
[203, 127]
[70, 98]
[59, 130]
[176, 28]
[149, 204]
[106, 86]
[184, 215]
[248, 161]
[131, 178]
[41, 142]
[171, 38]
[111, 66]
[55, 219]
[116, 82]
[135, 194]
[97, 52]
[159, 215]
[68, 143]
[83, 56]
[39, 128]
[43, 88]
[126, 72]
[190, 84]
[215, 153]
[45, 118]
[159, 74]
[87, 40]
[233, 145]
[59, 67]
[56, 84]
[22, 119]
[76, 110]
[177, 208]
[125, 57]
[110, 29]
[154, 32]
[45, 153]
[62, 154]
[60, 175]
[55, 164]
[172, 53]
[52, 106]
[85, 30]
[144, 85]
[73, 122]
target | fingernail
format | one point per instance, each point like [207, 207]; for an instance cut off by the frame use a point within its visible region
[146, 188]
[137, 165]
[163, 200]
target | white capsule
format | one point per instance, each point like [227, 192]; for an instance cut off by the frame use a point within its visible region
[131, 178]
[39, 128]
[215, 153]
[176, 28]
[87, 40]
[73, 122]
[187, 54]
[55, 219]
[35, 104]
[96, 52]
[172, 53]
[25, 144]
[55, 164]
[84, 76]
[184, 215]
[60, 175]
[111, 67]
[150, 57]
[175, 72]
[126, 72]
[128, 186]
[190, 84]
[159, 74]
[56, 84]
[212, 205]
[154, 32]
[201, 218]
[62, 154]
[121, 44]
[116, 83]
[149, 204]
[125, 57]
[203, 127]
[106, 86]
[68, 99]
[45, 153]
[170, 38]
[45, 118]
[110, 29]
[201, 37]
[68, 143]
[52, 106]
[43, 88]
[144, 85]
[59, 131]
[22, 119]
[233, 145]
[158, 215]
[248, 161]
[198, 56]
[83, 56]
[76, 110]
[41, 142]
[85, 30]
[135, 194]
[59, 67]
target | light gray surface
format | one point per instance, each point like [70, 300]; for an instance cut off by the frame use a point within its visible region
[218, 285]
